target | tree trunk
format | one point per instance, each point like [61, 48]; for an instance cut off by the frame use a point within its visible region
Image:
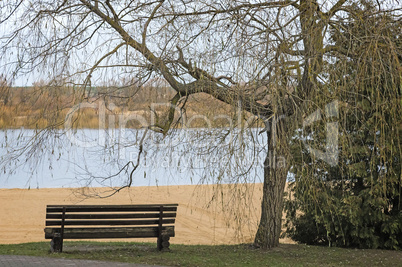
[277, 162]
[276, 166]
[275, 171]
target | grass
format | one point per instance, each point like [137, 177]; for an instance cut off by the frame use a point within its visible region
[225, 255]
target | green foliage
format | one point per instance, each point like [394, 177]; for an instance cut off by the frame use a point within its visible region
[357, 203]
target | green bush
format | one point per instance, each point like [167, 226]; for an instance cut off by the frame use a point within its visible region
[358, 202]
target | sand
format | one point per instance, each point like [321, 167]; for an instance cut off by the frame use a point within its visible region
[207, 214]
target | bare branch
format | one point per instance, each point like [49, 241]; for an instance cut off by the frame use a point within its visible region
[151, 16]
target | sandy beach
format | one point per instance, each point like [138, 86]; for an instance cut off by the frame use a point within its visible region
[207, 214]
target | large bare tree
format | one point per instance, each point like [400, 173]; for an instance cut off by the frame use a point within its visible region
[267, 57]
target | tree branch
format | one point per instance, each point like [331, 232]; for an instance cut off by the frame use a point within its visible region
[115, 17]
[144, 32]
[242, 6]
[139, 47]
[91, 70]
[204, 81]
[334, 9]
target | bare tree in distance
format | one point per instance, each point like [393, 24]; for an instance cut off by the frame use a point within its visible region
[269, 58]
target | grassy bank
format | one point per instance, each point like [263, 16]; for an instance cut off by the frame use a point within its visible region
[234, 255]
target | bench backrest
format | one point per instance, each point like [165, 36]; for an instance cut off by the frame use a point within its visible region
[85, 216]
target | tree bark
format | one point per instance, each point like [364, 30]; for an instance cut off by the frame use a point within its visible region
[276, 166]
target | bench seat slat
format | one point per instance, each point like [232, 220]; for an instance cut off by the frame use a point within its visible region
[111, 208]
[109, 232]
[109, 222]
[114, 206]
[110, 216]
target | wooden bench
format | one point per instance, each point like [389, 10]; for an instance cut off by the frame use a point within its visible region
[110, 221]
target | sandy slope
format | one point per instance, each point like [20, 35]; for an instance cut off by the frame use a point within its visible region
[207, 214]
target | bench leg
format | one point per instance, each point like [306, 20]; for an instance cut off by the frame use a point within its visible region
[163, 242]
[56, 245]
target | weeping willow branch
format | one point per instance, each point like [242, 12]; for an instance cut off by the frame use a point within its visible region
[134, 168]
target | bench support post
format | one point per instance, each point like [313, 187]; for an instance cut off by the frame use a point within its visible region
[163, 237]
[163, 241]
[63, 219]
[56, 245]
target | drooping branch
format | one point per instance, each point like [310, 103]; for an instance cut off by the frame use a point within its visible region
[127, 166]
[95, 66]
